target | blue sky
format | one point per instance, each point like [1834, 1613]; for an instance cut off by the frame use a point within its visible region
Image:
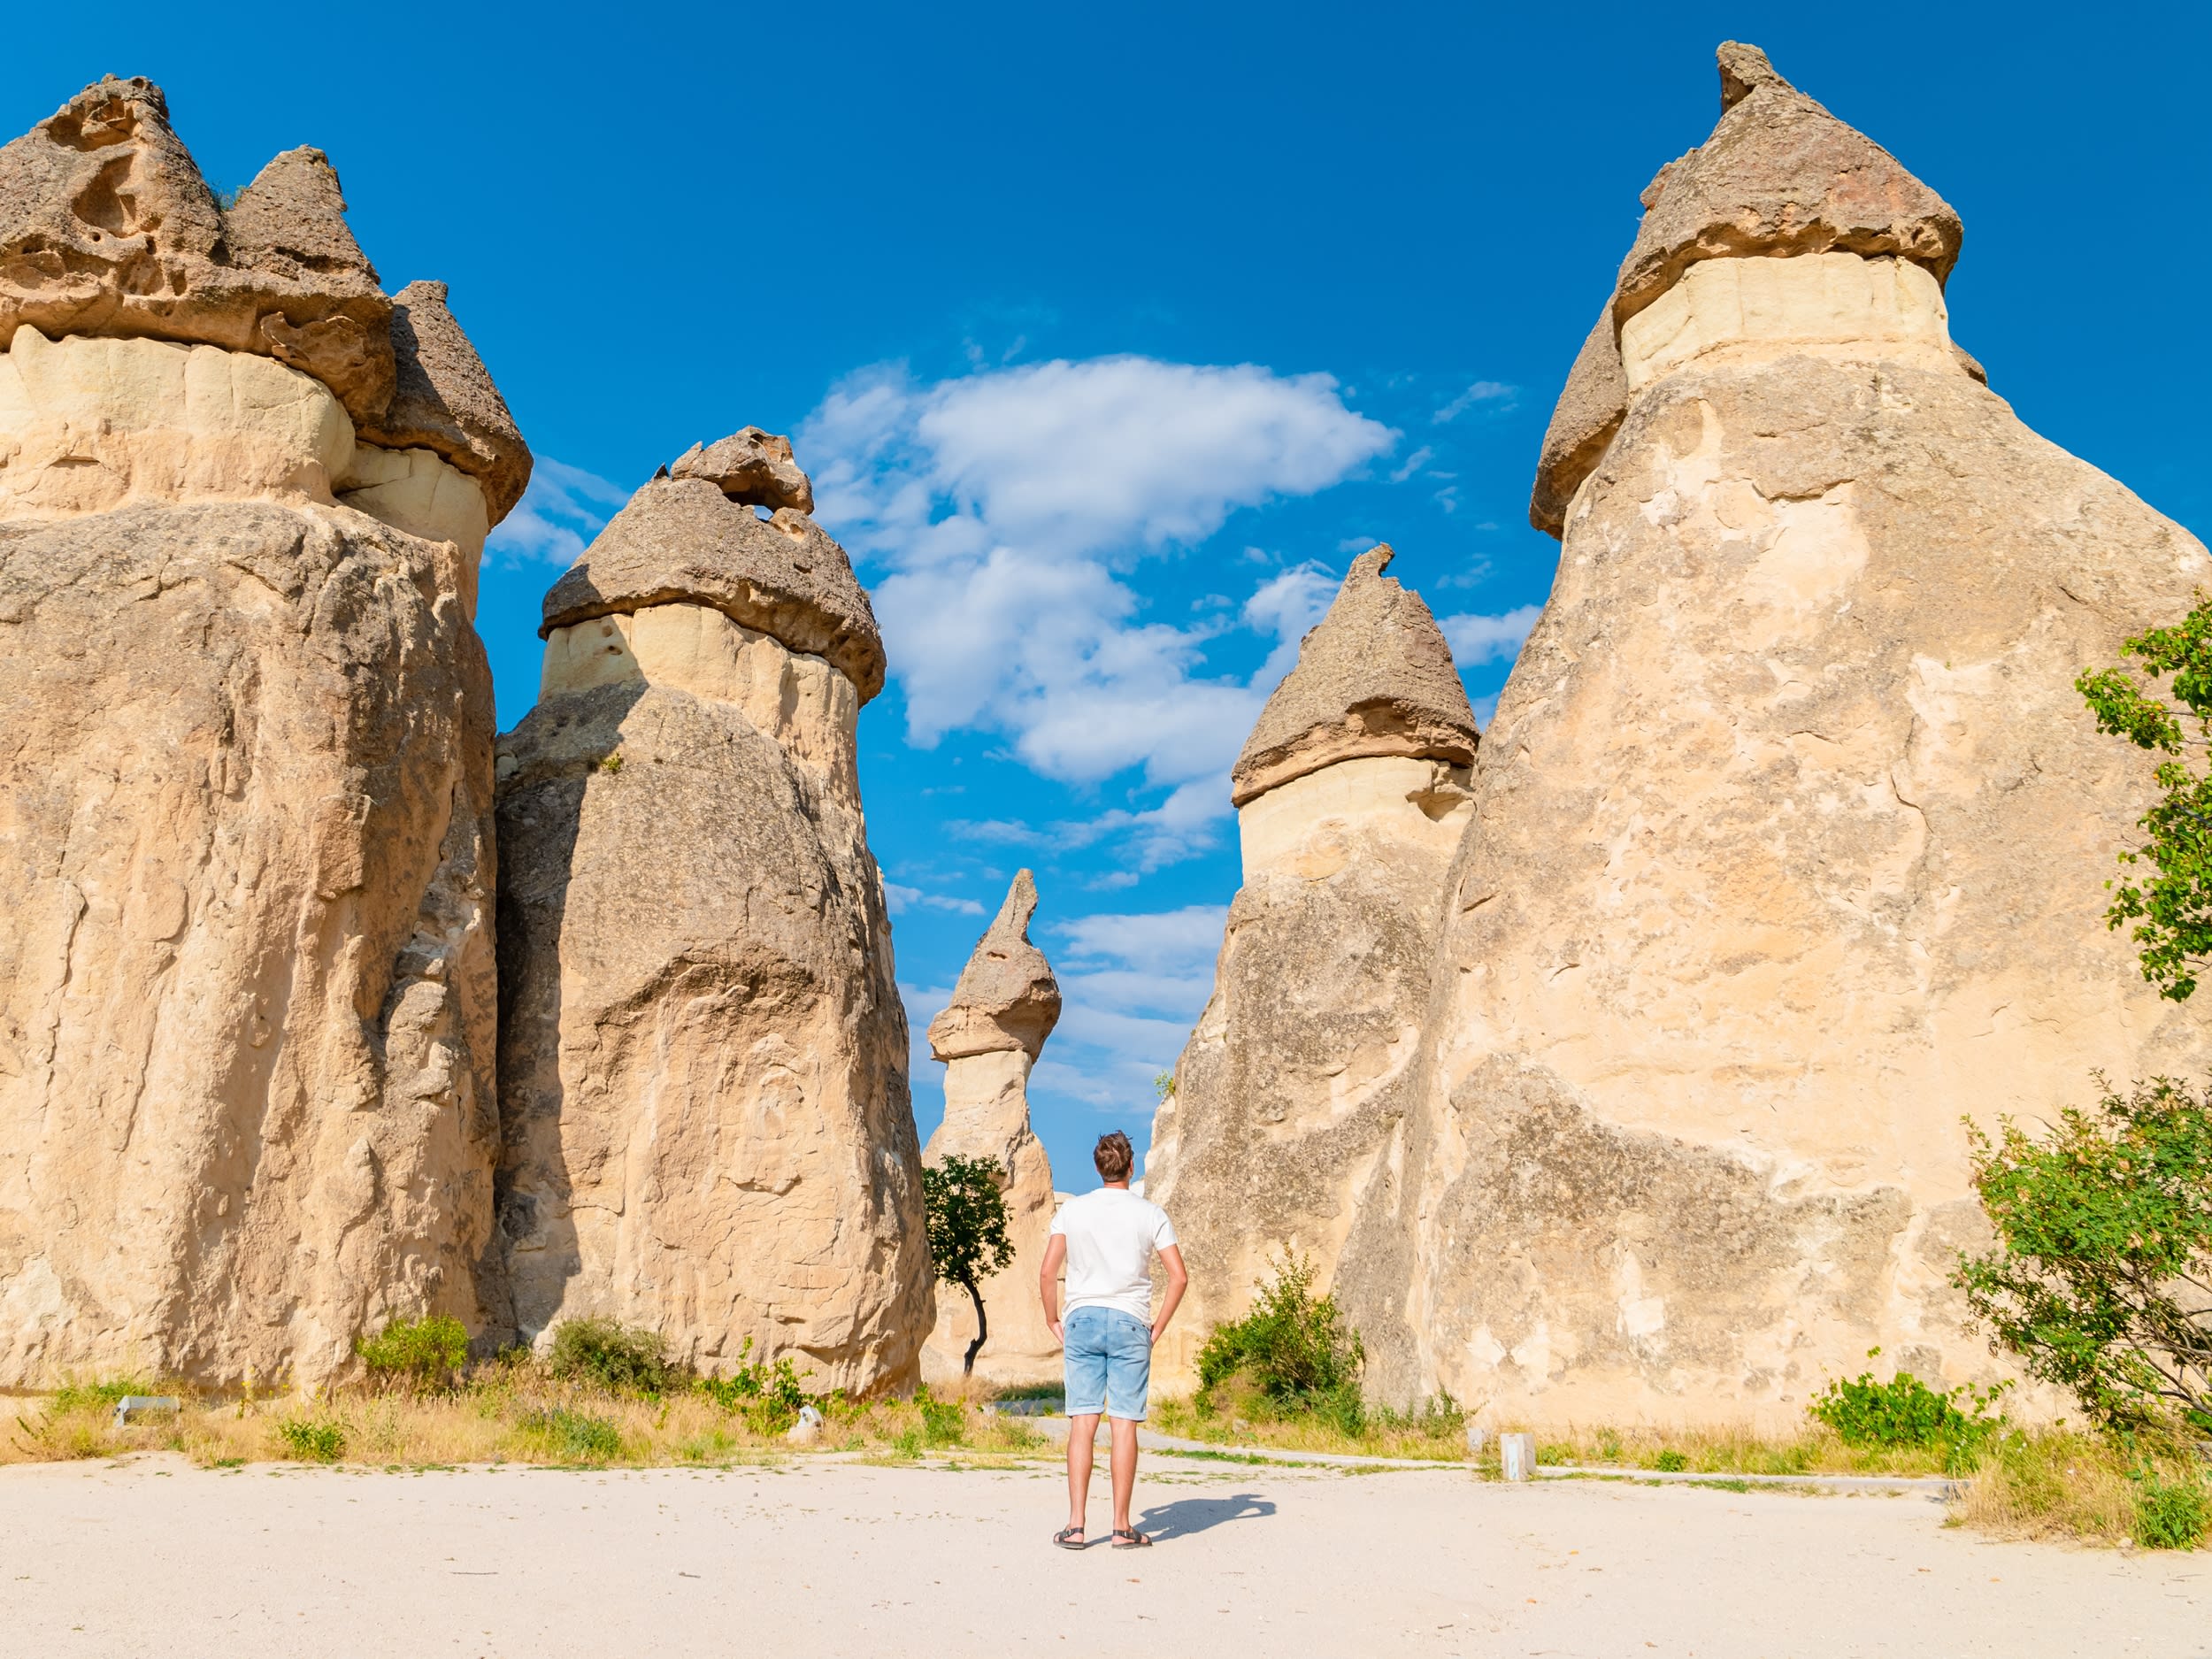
[1109, 336]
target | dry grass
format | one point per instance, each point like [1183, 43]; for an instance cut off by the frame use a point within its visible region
[1247, 1425]
[2059, 1484]
[511, 1415]
[1734, 1450]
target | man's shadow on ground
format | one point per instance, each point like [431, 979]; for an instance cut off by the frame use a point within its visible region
[1187, 1516]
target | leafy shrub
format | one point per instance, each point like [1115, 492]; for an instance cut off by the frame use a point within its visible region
[2102, 1228]
[312, 1440]
[770, 1397]
[99, 1396]
[621, 1359]
[423, 1354]
[576, 1434]
[2170, 1515]
[944, 1422]
[1670, 1462]
[1295, 1346]
[1906, 1412]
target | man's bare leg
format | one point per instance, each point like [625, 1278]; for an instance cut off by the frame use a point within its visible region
[1081, 1431]
[1125, 1468]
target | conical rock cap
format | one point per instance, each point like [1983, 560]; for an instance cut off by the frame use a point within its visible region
[446, 400]
[1006, 998]
[108, 229]
[1374, 677]
[1779, 176]
[681, 540]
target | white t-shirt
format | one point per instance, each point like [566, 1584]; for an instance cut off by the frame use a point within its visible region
[1111, 1234]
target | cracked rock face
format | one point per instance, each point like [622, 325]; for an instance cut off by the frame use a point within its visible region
[1290, 1094]
[1789, 849]
[247, 982]
[1002, 1010]
[702, 1056]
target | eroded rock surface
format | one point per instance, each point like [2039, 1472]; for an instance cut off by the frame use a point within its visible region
[989, 1035]
[1290, 1094]
[1791, 836]
[702, 1061]
[247, 982]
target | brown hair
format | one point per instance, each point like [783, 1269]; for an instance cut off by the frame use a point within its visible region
[1113, 1156]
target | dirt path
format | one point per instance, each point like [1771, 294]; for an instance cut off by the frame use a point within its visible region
[806, 1559]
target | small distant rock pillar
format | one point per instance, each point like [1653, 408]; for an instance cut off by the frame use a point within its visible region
[1283, 1130]
[1004, 1007]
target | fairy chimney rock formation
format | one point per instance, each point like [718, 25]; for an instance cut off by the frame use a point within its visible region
[247, 986]
[1352, 796]
[1790, 834]
[703, 1065]
[989, 1035]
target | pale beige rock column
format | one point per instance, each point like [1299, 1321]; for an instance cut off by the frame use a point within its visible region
[1003, 1008]
[1792, 832]
[707, 1127]
[1285, 1123]
[247, 986]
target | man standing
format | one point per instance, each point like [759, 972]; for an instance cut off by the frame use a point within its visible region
[1107, 1239]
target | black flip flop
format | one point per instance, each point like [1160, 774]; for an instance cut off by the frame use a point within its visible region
[1071, 1538]
[1137, 1540]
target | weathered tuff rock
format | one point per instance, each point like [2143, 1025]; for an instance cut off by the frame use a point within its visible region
[1003, 1008]
[444, 401]
[1374, 677]
[752, 467]
[107, 227]
[1789, 849]
[1779, 176]
[703, 1071]
[247, 984]
[1289, 1096]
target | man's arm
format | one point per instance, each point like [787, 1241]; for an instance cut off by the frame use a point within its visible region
[1048, 1282]
[1172, 1257]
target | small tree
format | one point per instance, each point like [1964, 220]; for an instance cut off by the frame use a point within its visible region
[2101, 1281]
[968, 1240]
[2172, 909]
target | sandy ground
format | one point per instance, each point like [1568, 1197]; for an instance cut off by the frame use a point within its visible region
[153, 1557]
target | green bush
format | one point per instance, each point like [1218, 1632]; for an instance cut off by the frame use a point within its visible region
[621, 1359]
[102, 1395]
[770, 1397]
[944, 1422]
[2170, 1515]
[1670, 1462]
[312, 1440]
[577, 1434]
[425, 1354]
[2101, 1226]
[1295, 1347]
[1906, 1412]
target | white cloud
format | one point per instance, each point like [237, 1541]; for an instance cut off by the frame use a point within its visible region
[1476, 639]
[1480, 392]
[1003, 509]
[558, 515]
[1134, 986]
[1414, 463]
[1171, 942]
[902, 899]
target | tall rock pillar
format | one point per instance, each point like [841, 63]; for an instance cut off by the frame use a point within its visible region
[247, 986]
[1286, 1118]
[703, 1055]
[989, 1035]
[1792, 832]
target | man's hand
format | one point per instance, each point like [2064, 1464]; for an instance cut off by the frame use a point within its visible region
[1052, 1325]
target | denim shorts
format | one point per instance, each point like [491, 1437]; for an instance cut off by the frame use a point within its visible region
[1109, 1357]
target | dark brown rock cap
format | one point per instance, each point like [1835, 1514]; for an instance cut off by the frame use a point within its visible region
[445, 401]
[1006, 997]
[1374, 677]
[682, 540]
[1779, 176]
[107, 228]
